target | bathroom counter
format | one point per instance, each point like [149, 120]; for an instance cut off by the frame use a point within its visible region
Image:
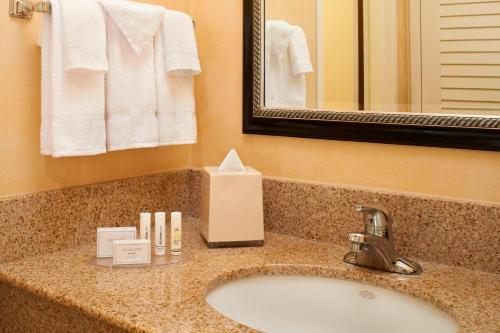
[172, 298]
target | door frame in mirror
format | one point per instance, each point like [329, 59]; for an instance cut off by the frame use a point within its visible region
[469, 132]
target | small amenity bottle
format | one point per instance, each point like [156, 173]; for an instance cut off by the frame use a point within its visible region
[176, 233]
[145, 226]
[160, 233]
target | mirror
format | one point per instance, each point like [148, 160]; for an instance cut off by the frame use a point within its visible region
[412, 72]
[396, 56]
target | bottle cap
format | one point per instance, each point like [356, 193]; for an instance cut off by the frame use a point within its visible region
[160, 216]
[176, 216]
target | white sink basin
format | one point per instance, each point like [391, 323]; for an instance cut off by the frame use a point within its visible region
[281, 303]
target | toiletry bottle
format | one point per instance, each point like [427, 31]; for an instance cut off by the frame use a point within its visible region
[145, 227]
[160, 233]
[175, 233]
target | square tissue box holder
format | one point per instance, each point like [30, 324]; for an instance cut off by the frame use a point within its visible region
[231, 204]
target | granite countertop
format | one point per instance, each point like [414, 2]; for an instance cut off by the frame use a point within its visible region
[172, 298]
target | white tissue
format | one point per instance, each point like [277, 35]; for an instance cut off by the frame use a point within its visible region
[231, 163]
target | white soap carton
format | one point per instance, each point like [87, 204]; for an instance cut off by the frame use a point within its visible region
[106, 237]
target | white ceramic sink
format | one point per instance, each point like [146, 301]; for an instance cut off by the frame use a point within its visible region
[281, 303]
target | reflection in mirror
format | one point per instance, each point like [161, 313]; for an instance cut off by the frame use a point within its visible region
[419, 56]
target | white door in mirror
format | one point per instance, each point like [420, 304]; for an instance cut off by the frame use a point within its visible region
[313, 304]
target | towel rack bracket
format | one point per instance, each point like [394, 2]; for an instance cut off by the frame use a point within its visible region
[26, 8]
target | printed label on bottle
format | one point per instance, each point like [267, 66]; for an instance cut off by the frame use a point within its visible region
[176, 241]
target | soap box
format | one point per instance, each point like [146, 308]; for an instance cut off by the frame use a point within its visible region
[132, 252]
[231, 208]
[106, 237]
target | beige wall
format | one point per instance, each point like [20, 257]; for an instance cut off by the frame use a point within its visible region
[22, 168]
[403, 46]
[473, 175]
[339, 42]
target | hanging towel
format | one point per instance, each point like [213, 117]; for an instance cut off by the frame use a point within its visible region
[181, 52]
[131, 100]
[176, 58]
[287, 62]
[299, 52]
[276, 62]
[84, 36]
[72, 103]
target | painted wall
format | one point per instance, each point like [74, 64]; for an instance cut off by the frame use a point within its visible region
[22, 168]
[339, 43]
[386, 55]
[454, 173]
[473, 175]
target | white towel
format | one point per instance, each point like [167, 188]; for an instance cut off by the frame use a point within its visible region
[84, 36]
[181, 52]
[72, 103]
[299, 52]
[130, 84]
[276, 62]
[287, 62]
[176, 58]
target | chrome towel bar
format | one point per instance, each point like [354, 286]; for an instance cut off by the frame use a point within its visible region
[26, 8]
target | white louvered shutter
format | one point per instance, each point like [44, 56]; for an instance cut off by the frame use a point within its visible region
[470, 56]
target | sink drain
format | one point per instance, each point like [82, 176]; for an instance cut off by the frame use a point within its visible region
[367, 294]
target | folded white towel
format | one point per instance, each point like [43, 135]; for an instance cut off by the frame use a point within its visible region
[130, 83]
[72, 103]
[176, 58]
[179, 43]
[84, 36]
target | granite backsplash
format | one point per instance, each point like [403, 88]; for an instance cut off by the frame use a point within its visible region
[445, 231]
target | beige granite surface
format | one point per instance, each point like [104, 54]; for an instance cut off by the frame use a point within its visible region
[172, 298]
[451, 232]
[44, 222]
[20, 308]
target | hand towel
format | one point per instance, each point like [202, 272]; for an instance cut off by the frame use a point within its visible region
[276, 62]
[179, 43]
[43, 42]
[84, 36]
[131, 101]
[72, 103]
[176, 59]
[299, 52]
[287, 62]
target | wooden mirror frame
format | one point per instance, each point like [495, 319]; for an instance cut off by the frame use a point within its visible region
[470, 132]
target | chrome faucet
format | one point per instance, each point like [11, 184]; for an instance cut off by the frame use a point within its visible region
[374, 248]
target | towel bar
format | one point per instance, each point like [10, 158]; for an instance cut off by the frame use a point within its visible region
[26, 8]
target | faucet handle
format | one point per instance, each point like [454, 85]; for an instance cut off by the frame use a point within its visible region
[371, 210]
[376, 219]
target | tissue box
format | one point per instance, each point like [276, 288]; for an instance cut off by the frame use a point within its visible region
[231, 208]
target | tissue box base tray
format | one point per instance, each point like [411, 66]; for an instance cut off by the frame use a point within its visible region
[255, 243]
